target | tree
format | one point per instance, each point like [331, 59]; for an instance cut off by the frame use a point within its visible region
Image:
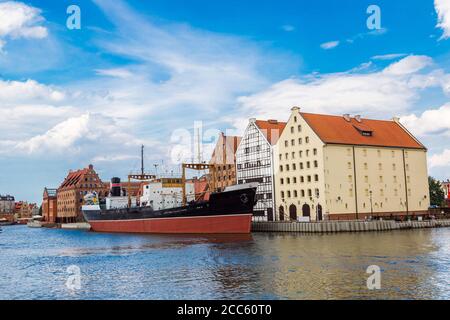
[437, 195]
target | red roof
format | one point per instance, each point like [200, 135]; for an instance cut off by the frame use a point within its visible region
[272, 129]
[336, 129]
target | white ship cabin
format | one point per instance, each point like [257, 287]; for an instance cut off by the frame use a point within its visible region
[166, 193]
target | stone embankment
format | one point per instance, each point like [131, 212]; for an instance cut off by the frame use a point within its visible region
[345, 226]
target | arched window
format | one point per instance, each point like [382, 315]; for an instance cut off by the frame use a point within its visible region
[281, 212]
[293, 212]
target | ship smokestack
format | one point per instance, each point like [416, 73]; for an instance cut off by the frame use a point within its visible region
[115, 187]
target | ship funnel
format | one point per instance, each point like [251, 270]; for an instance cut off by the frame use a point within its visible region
[115, 187]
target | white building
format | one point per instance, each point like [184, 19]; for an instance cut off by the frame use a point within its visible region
[165, 193]
[7, 204]
[254, 163]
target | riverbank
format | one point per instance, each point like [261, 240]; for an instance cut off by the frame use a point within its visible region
[345, 226]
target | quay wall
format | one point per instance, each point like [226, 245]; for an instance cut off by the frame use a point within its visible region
[346, 226]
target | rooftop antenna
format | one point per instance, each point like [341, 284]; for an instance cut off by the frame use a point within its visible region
[142, 159]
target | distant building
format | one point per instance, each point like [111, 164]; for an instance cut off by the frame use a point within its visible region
[71, 192]
[7, 204]
[342, 167]
[49, 205]
[446, 188]
[224, 161]
[24, 209]
[254, 163]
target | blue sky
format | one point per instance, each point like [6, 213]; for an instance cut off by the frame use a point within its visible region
[144, 72]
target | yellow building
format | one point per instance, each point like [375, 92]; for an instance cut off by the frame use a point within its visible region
[342, 167]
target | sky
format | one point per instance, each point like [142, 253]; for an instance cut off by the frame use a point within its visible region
[168, 73]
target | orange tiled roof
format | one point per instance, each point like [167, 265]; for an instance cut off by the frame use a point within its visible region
[272, 129]
[336, 129]
[232, 141]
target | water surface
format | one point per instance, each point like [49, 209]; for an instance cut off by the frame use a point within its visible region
[33, 262]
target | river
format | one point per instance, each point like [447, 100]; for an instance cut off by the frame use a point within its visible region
[37, 263]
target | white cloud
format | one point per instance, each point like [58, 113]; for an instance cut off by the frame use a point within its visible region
[76, 133]
[390, 56]
[440, 159]
[329, 45]
[114, 158]
[430, 122]
[18, 20]
[28, 91]
[408, 65]
[443, 10]
[115, 72]
[382, 94]
[288, 28]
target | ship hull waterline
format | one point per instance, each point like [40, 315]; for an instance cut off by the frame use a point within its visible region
[226, 224]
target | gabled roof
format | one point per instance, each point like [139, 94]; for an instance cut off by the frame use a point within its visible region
[229, 142]
[73, 178]
[272, 129]
[338, 130]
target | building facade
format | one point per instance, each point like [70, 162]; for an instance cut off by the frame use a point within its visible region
[7, 205]
[446, 188]
[71, 192]
[254, 163]
[224, 161]
[49, 205]
[342, 167]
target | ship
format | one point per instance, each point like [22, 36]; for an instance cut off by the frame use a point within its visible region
[229, 211]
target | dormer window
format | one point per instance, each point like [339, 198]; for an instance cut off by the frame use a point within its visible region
[363, 130]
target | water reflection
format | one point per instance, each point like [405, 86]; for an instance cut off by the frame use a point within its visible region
[415, 265]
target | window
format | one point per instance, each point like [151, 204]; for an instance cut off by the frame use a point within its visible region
[295, 179]
[294, 167]
[308, 164]
[395, 179]
[350, 178]
[287, 167]
[300, 153]
[315, 151]
[302, 179]
[282, 194]
[292, 129]
[307, 140]
[366, 179]
[289, 194]
[293, 155]
[316, 164]
[380, 166]
[302, 193]
[393, 153]
[286, 155]
[307, 153]
[365, 166]
[393, 166]
[281, 168]
[309, 193]
[295, 118]
[381, 179]
[309, 178]
[288, 180]
[301, 165]
[292, 142]
[299, 128]
[281, 181]
[295, 194]
[300, 141]
[281, 156]
[379, 153]
[365, 152]
[349, 165]
[316, 177]
[286, 143]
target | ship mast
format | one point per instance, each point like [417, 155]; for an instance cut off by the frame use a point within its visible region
[197, 167]
[140, 177]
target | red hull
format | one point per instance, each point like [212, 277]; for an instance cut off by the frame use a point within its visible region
[226, 224]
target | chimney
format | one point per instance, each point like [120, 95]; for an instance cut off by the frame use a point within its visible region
[358, 118]
[346, 117]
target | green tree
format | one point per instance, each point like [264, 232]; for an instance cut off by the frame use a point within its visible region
[437, 195]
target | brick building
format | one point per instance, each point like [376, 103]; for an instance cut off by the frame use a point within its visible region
[49, 205]
[224, 161]
[71, 192]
